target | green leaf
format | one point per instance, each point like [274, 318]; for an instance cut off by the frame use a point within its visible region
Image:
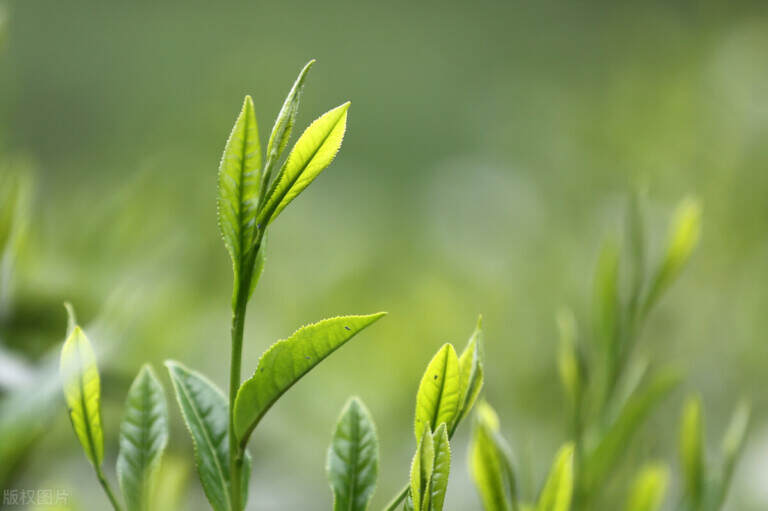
[692, 448]
[442, 467]
[635, 248]
[437, 401]
[607, 296]
[489, 462]
[281, 131]
[286, 361]
[557, 492]
[633, 414]
[421, 471]
[470, 373]
[733, 440]
[82, 390]
[239, 184]
[353, 458]
[569, 361]
[313, 152]
[648, 489]
[143, 438]
[204, 408]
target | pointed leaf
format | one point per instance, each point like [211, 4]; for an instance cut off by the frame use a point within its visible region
[692, 448]
[313, 152]
[204, 408]
[557, 492]
[648, 490]
[82, 390]
[143, 437]
[442, 468]
[437, 401]
[286, 361]
[470, 373]
[239, 182]
[353, 458]
[489, 463]
[421, 471]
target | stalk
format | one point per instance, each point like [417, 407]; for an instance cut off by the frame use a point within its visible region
[108, 490]
[397, 499]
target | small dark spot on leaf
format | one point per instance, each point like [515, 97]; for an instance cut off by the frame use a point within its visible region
[347, 328]
[307, 358]
[435, 376]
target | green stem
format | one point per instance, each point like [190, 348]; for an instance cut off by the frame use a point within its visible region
[108, 490]
[398, 498]
[235, 454]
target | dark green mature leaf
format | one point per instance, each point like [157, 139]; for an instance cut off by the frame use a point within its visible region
[239, 185]
[143, 438]
[313, 152]
[489, 463]
[82, 390]
[648, 489]
[204, 408]
[557, 492]
[281, 131]
[442, 467]
[286, 361]
[437, 401]
[353, 458]
[692, 448]
[421, 471]
[470, 373]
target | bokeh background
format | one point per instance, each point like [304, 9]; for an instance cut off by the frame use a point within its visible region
[491, 148]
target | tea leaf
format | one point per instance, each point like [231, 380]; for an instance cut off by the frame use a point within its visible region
[568, 359]
[556, 495]
[421, 471]
[204, 409]
[281, 131]
[143, 437]
[353, 458]
[489, 463]
[82, 390]
[692, 448]
[286, 361]
[607, 296]
[239, 182]
[441, 470]
[470, 373]
[733, 440]
[313, 152]
[437, 401]
[648, 489]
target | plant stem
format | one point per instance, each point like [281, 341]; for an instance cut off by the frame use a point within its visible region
[235, 452]
[398, 498]
[108, 490]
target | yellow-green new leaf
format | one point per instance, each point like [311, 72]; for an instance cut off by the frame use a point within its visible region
[239, 185]
[648, 489]
[470, 373]
[353, 458]
[607, 296]
[557, 492]
[733, 440]
[569, 362]
[313, 152]
[421, 471]
[286, 361]
[143, 437]
[692, 448]
[489, 462]
[82, 390]
[437, 401]
[438, 484]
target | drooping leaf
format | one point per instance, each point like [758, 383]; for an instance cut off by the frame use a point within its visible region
[143, 437]
[286, 361]
[239, 182]
[353, 458]
[281, 131]
[313, 152]
[557, 492]
[82, 390]
[204, 409]
[421, 471]
[442, 468]
[692, 448]
[437, 401]
[648, 489]
[634, 413]
[470, 373]
[489, 462]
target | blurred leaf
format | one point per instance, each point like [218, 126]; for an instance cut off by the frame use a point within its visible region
[442, 468]
[173, 478]
[204, 409]
[437, 400]
[281, 131]
[470, 373]
[15, 206]
[143, 438]
[82, 390]
[648, 489]
[692, 448]
[239, 181]
[286, 361]
[569, 361]
[421, 471]
[733, 444]
[489, 463]
[636, 249]
[313, 152]
[556, 495]
[615, 439]
[607, 296]
[353, 458]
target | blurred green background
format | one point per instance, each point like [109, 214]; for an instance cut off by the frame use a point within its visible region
[491, 148]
